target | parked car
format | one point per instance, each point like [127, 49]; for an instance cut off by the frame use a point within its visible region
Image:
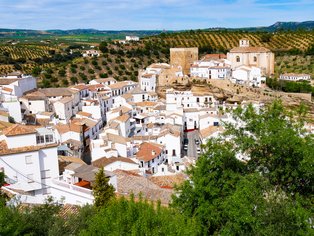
[198, 150]
[197, 142]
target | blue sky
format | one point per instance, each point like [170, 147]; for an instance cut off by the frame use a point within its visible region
[150, 14]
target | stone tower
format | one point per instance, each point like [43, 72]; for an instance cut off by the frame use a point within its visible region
[183, 57]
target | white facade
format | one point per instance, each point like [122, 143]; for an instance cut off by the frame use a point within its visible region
[148, 82]
[295, 77]
[132, 38]
[91, 53]
[20, 84]
[31, 161]
[248, 75]
[176, 100]
[212, 69]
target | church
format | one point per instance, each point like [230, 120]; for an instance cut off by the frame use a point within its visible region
[260, 57]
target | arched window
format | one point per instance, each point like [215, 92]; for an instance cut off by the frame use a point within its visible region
[238, 59]
[255, 59]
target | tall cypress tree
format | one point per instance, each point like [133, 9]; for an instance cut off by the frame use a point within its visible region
[102, 190]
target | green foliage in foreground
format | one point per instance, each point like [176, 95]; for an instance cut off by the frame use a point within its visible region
[120, 217]
[269, 194]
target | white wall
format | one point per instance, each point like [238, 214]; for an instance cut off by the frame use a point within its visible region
[21, 140]
[14, 109]
[120, 165]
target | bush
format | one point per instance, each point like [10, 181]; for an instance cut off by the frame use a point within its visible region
[103, 75]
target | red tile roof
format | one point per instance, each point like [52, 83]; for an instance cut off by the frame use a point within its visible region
[148, 151]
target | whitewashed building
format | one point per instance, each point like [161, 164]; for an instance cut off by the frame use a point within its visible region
[246, 75]
[28, 157]
[295, 77]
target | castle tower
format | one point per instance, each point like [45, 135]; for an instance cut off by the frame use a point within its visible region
[244, 43]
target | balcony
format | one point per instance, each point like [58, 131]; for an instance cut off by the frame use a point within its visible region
[72, 192]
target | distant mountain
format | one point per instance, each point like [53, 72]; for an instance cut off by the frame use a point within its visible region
[278, 26]
[305, 25]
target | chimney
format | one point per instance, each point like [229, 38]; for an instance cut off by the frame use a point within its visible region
[153, 153]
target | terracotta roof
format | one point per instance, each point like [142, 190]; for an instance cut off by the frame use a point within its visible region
[127, 96]
[123, 118]
[18, 129]
[84, 121]
[83, 113]
[104, 161]
[123, 109]
[119, 85]
[7, 81]
[149, 75]
[64, 128]
[131, 183]
[65, 100]
[7, 89]
[71, 159]
[79, 87]
[146, 104]
[148, 151]
[4, 125]
[117, 138]
[4, 150]
[168, 180]
[249, 49]
[51, 92]
[36, 95]
[210, 130]
[87, 172]
[95, 87]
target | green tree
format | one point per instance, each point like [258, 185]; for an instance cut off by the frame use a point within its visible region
[103, 191]
[36, 71]
[267, 194]
[103, 47]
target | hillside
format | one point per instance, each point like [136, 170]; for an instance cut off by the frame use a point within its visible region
[59, 63]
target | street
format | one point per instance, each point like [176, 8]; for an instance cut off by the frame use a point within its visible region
[192, 147]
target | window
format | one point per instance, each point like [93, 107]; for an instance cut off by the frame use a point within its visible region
[49, 138]
[173, 152]
[45, 174]
[162, 169]
[30, 178]
[28, 159]
[238, 59]
[40, 139]
[29, 103]
[255, 59]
